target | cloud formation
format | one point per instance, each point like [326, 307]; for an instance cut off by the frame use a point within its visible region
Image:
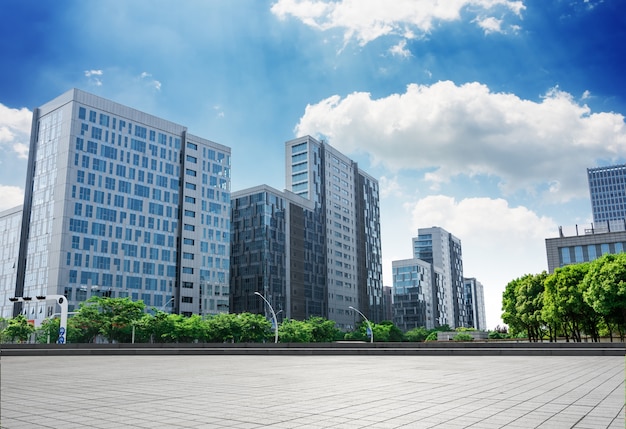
[15, 130]
[468, 130]
[367, 20]
[94, 77]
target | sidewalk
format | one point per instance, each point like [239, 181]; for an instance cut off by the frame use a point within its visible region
[312, 392]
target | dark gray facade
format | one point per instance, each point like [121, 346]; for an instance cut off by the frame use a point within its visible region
[278, 251]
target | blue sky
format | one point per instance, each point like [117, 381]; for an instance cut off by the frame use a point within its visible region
[479, 116]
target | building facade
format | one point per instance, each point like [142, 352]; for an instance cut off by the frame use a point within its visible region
[349, 202]
[278, 250]
[475, 304]
[607, 189]
[443, 250]
[419, 295]
[328, 257]
[10, 226]
[429, 290]
[124, 204]
[566, 250]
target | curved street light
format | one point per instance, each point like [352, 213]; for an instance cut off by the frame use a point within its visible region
[368, 323]
[273, 316]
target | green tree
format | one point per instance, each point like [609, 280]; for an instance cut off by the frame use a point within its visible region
[3, 326]
[255, 328]
[416, 334]
[110, 317]
[522, 303]
[295, 331]
[19, 329]
[605, 289]
[223, 328]
[564, 307]
[324, 330]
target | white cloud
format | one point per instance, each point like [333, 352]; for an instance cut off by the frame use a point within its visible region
[147, 77]
[499, 242]
[468, 130]
[389, 186]
[94, 76]
[490, 25]
[366, 20]
[15, 130]
[10, 196]
[400, 50]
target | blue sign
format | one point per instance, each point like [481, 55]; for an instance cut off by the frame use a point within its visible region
[369, 332]
[61, 340]
[61, 331]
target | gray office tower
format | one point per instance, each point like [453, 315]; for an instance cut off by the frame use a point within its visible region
[124, 204]
[331, 250]
[430, 290]
[607, 189]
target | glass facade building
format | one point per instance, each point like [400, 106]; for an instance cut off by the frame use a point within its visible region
[278, 251]
[430, 291]
[124, 204]
[607, 189]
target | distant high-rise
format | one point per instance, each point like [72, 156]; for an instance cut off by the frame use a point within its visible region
[607, 189]
[442, 249]
[329, 211]
[430, 290]
[121, 203]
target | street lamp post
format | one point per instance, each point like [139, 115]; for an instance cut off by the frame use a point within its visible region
[368, 323]
[273, 316]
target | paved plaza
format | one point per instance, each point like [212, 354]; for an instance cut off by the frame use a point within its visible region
[312, 392]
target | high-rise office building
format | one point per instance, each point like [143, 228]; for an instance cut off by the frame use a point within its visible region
[430, 290]
[349, 200]
[442, 249]
[331, 248]
[607, 189]
[121, 203]
[278, 250]
[475, 304]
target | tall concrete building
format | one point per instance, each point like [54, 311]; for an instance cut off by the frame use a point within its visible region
[607, 189]
[475, 304]
[124, 204]
[443, 250]
[430, 290]
[349, 200]
[339, 265]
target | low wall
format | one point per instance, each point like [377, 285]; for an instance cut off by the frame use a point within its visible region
[472, 348]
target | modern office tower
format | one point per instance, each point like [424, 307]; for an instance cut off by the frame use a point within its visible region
[607, 189]
[278, 250]
[443, 250]
[121, 203]
[566, 250]
[419, 295]
[475, 304]
[10, 225]
[349, 201]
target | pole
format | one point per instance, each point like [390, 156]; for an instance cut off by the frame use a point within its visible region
[273, 316]
[368, 323]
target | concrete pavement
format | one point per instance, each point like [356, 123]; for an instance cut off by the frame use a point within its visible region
[223, 391]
